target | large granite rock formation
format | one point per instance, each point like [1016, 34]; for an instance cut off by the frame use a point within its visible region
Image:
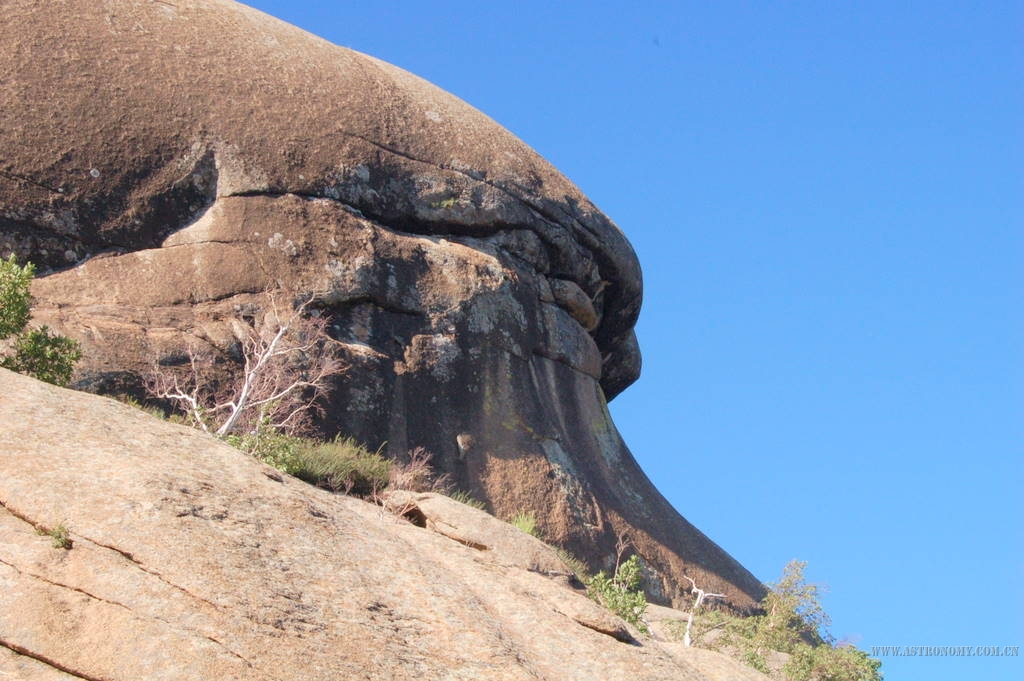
[171, 166]
[191, 560]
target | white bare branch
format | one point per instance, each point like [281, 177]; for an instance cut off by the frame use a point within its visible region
[699, 596]
[286, 371]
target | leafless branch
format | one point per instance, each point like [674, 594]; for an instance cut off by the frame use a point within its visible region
[701, 594]
[622, 544]
[286, 370]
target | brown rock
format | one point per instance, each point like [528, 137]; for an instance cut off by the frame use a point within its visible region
[171, 163]
[498, 541]
[192, 560]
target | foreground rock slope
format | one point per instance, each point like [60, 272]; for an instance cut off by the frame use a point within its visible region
[175, 166]
[191, 560]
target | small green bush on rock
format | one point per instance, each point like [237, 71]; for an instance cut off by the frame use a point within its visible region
[343, 465]
[59, 535]
[793, 622]
[621, 593]
[15, 299]
[526, 522]
[36, 352]
[340, 465]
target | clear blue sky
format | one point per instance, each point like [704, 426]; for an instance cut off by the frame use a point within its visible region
[826, 199]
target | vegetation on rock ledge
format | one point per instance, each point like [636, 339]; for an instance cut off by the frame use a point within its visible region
[793, 623]
[36, 352]
[621, 592]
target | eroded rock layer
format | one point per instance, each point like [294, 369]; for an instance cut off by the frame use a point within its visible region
[174, 166]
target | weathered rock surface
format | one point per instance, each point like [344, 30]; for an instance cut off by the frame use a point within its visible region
[173, 163]
[191, 560]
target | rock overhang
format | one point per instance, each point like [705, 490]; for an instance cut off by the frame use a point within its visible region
[211, 155]
[104, 162]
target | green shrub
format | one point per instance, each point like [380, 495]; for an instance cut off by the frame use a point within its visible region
[621, 593]
[826, 662]
[343, 465]
[36, 352]
[46, 356]
[270, 447]
[15, 299]
[340, 465]
[792, 622]
[526, 522]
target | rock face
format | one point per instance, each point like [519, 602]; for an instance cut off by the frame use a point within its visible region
[191, 560]
[174, 166]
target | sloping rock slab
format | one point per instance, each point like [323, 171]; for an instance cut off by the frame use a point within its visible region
[498, 541]
[502, 544]
[191, 560]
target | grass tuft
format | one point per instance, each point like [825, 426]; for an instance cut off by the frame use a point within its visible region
[468, 499]
[59, 534]
[526, 522]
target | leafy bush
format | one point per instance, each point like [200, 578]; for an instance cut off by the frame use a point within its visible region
[47, 356]
[36, 352]
[793, 622]
[621, 593]
[832, 663]
[15, 299]
[271, 447]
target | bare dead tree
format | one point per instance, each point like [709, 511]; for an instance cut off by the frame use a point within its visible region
[622, 544]
[186, 389]
[699, 596]
[286, 369]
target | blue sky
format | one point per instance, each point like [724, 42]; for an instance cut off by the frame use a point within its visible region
[826, 199]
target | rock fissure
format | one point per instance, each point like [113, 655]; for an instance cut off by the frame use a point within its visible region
[138, 564]
[202, 242]
[15, 177]
[525, 199]
[326, 301]
[539, 352]
[38, 527]
[411, 226]
[619, 634]
[61, 585]
[453, 534]
[50, 662]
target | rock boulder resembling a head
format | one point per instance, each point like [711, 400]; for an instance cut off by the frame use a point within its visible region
[172, 167]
